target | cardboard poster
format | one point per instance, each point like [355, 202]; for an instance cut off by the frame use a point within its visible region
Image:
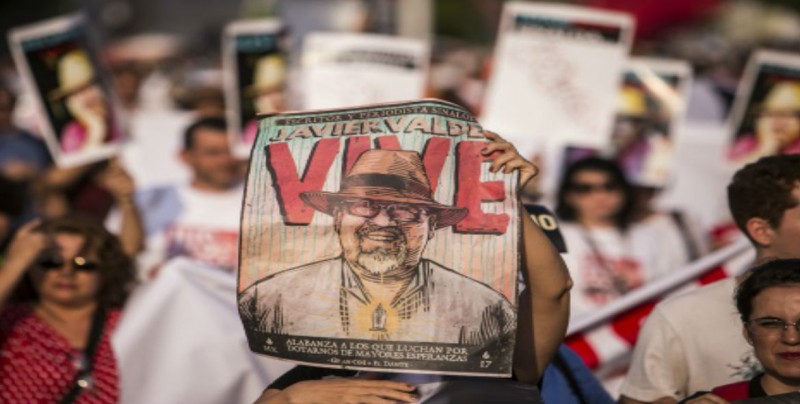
[766, 113]
[59, 64]
[345, 70]
[555, 75]
[651, 102]
[375, 238]
[256, 68]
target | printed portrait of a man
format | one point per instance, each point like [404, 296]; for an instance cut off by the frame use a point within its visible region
[381, 286]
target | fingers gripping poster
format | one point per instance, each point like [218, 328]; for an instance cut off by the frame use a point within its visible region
[377, 238]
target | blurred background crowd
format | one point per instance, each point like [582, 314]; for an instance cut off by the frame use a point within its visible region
[175, 189]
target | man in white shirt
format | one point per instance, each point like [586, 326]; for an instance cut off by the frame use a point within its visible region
[694, 342]
[199, 219]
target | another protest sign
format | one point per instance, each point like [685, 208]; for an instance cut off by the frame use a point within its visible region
[59, 63]
[256, 67]
[766, 113]
[376, 238]
[344, 70]
[555, 74]
[650, 107]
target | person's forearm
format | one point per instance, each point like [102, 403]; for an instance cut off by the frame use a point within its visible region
[272, 396]
[57, 178]
[131, 233]
[543, 307]
[11, 272]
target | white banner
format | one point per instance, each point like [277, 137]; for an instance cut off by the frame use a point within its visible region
[556, 74]
[180, 340]
[345, 70]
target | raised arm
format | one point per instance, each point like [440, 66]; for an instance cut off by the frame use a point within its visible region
[543, 311]
[21, 253]
[121, 186]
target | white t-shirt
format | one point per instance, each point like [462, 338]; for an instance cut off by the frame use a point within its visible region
[646, 251]
[689, 343]
[184, 221]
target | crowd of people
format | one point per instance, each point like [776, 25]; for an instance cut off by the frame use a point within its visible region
[76, 242]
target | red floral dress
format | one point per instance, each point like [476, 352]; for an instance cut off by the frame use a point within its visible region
[37, 365]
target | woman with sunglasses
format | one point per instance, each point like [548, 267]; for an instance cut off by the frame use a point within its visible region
[62, 284]
[608, 254]
[768, 301]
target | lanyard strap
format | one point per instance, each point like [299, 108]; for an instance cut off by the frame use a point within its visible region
[82, 379]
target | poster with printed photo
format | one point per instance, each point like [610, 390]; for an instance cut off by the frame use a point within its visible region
[376, 238]
[256, 67]
[59, 63]
[345, 70]
[650, 108]
[766, 113]
[555, 74]
[651, 102]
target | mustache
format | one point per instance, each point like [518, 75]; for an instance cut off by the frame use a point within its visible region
[368, 228]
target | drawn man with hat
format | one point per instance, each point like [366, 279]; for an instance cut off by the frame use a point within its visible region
[380, 287]
[91, 123]
[777, 126]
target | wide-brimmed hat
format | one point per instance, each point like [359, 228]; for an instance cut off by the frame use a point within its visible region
[387, 175]
[632, 102]
[784, 96]
[75, 71]
[269, 75]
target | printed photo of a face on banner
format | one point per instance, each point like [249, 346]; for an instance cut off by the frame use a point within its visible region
[650, 106]
[766, 112]
[256, 69]
[651, 103]
[376, 238]
[58, 61]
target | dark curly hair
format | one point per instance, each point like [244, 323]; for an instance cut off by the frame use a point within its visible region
[567, 213]
[778, 272]
[764, 189]
[117, 273]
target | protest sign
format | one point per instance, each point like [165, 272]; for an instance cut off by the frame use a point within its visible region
[650, 106]
[255, 66]
[376, 238]
[555, 75]
[59, 64]
[345, 70]
[765, 115]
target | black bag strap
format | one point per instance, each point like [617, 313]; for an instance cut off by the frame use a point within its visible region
[81, 381]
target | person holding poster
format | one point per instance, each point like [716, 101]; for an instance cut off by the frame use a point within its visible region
[397, 220]
[541, 313]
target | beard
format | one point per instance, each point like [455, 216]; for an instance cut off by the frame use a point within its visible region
[380, 260]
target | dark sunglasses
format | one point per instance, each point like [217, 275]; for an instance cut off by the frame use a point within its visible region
[78, 263]
[584, 188]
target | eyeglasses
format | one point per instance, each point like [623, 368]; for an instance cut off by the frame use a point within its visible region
[81, 264]
[396, 211]
[770, 326]
[584, 188]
